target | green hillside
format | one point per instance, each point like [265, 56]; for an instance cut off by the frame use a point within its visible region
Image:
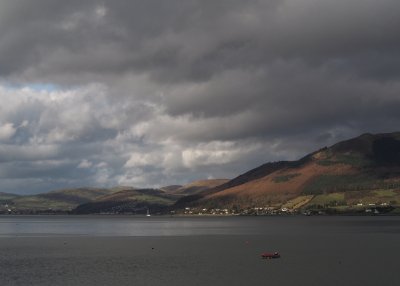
[60, 200]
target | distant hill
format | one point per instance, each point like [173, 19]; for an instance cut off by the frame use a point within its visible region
[140, 200]
[365, 170]
[120, 199]
[61, 200]
[129, 201]
[6, 197]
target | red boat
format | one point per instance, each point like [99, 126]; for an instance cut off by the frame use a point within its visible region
[270, 255]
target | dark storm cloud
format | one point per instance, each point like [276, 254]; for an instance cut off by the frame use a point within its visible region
[192, 40]
[157, 92]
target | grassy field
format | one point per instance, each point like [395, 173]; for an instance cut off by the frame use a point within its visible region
[298, 202]
[325, 200]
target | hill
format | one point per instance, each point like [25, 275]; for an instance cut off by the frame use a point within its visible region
[363, 170]
[129, 201]
[119, 199]
[140, 200]
[59, 200]
[6, 197]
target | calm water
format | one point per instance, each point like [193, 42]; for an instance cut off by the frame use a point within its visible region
[126, 250]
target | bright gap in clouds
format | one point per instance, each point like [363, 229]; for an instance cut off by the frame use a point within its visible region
[38, 86]
[43, 87]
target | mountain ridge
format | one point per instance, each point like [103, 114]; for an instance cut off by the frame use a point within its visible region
[367, 163]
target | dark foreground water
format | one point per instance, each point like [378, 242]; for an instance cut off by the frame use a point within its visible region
[97, 250]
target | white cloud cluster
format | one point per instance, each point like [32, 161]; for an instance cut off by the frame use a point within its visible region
[7, 130]
[81, 136]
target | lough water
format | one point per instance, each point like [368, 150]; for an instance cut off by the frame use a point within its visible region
[129, 250]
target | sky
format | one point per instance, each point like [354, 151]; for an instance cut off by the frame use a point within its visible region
[149, 93]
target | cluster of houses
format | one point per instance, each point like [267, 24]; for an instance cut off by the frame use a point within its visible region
[369, 208]
[245, 211]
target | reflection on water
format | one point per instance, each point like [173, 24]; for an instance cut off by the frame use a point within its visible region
[184, 226]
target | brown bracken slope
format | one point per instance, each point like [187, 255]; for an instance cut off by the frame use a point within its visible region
[368, 162]
[199, 186]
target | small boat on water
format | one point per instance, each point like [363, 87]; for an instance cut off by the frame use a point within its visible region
[270, 255]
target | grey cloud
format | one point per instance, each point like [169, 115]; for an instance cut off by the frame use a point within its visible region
[190, 41]
[141, 89]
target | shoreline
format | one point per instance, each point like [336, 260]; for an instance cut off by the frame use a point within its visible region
[203, 215]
